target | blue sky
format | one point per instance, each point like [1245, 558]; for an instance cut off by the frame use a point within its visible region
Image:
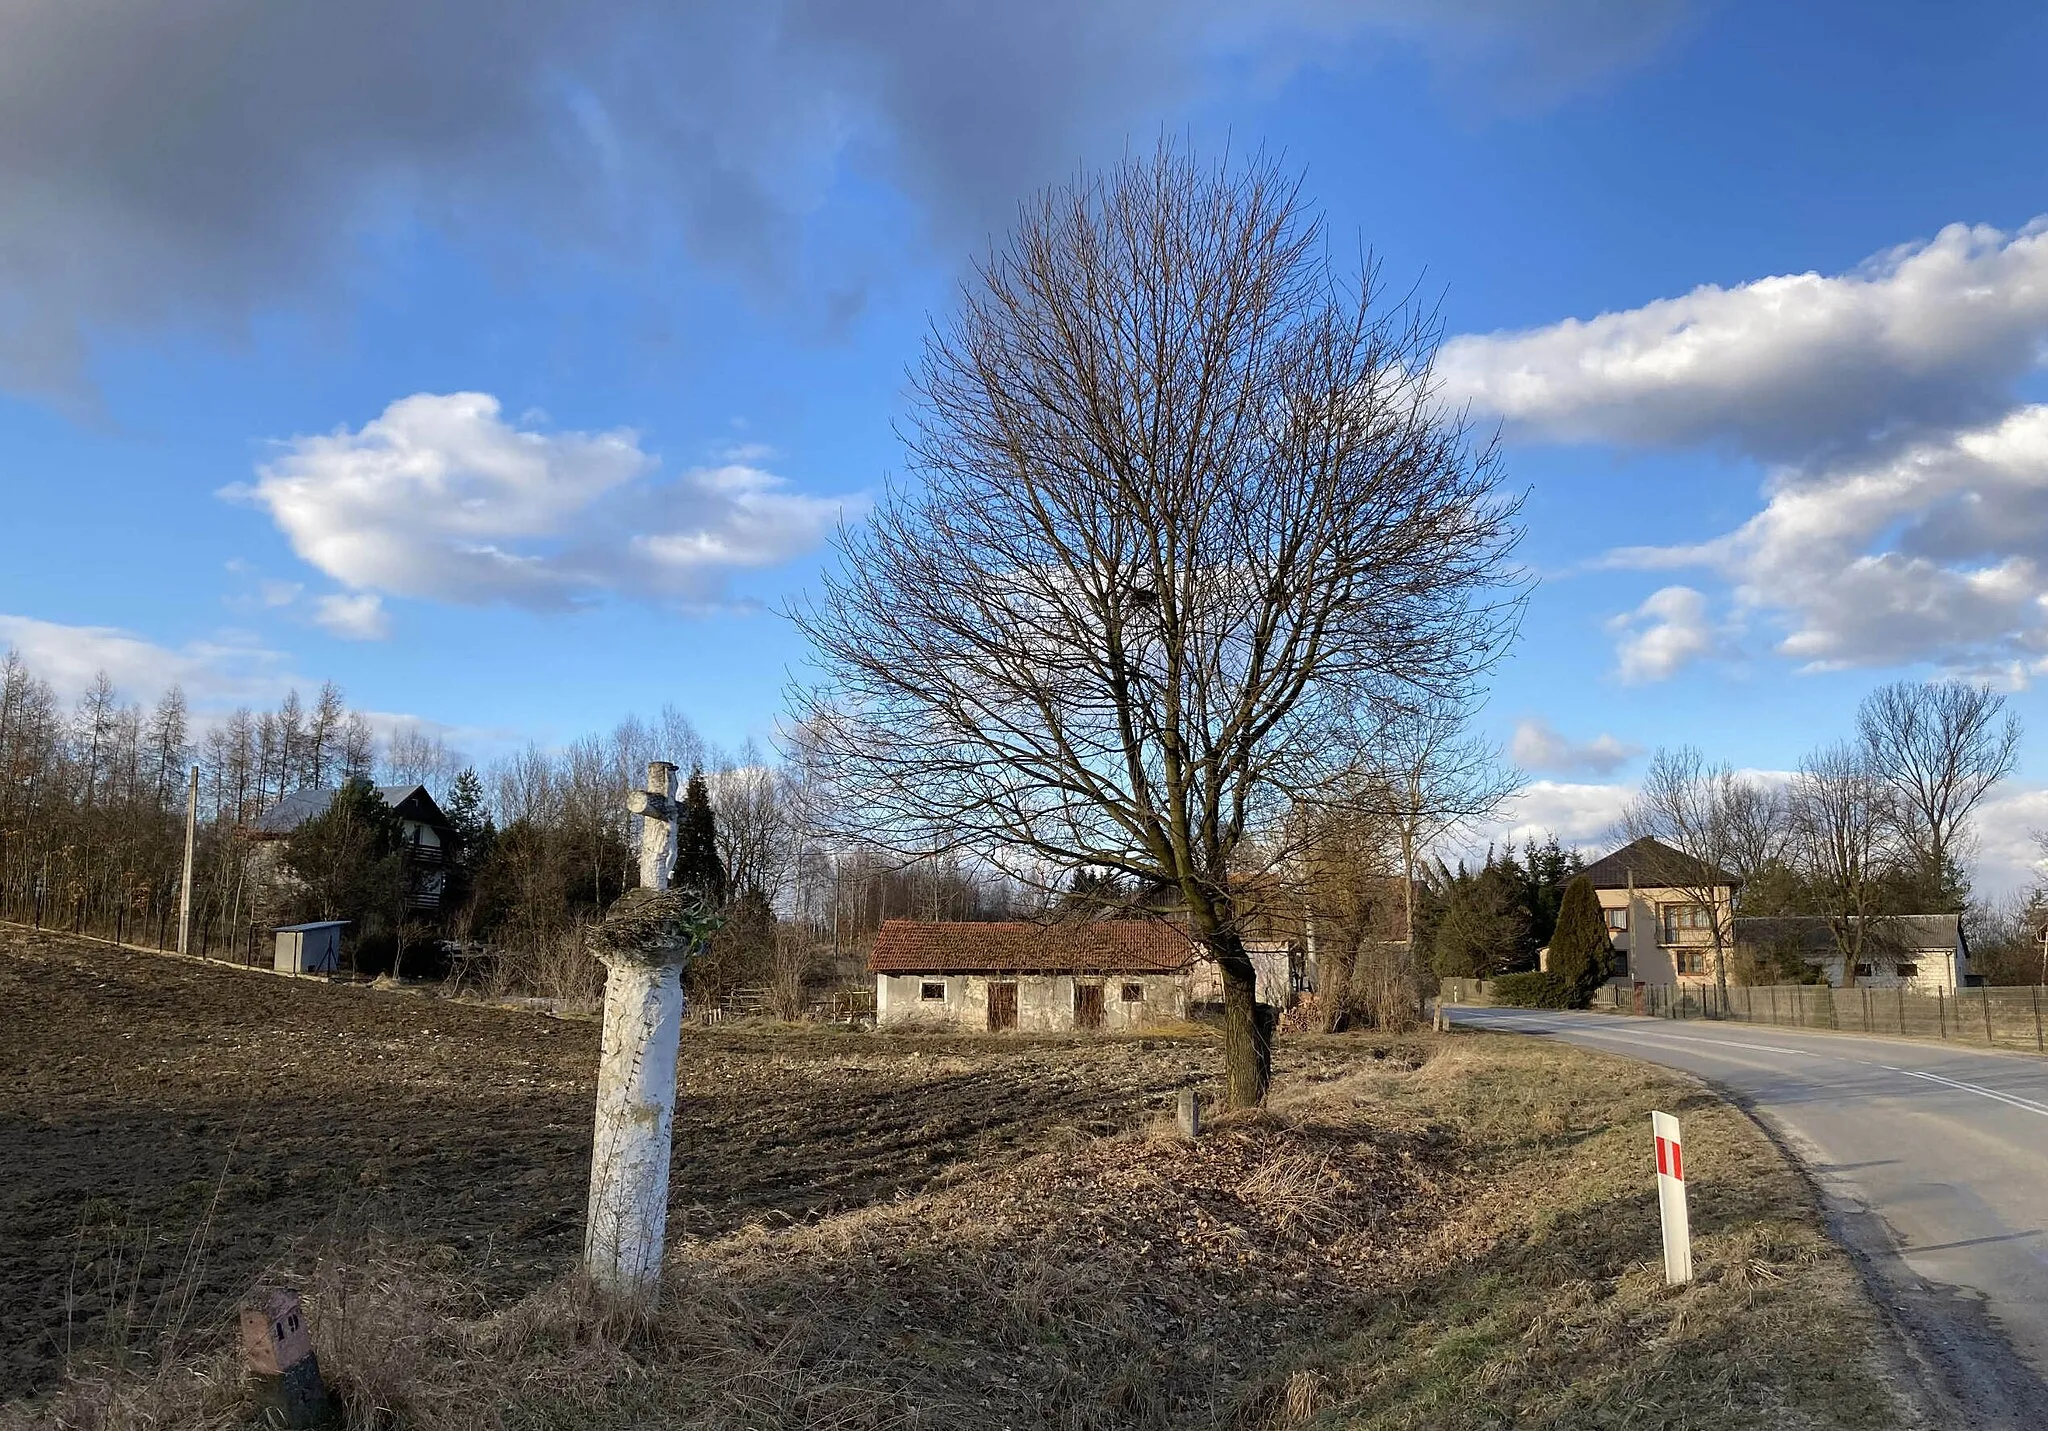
[679, 259]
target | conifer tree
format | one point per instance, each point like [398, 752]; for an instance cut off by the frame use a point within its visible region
[1580, 952]
[698, 867]
[469, 816]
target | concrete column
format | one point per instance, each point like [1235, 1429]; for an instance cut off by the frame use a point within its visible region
[185, 884]
[636, 1101]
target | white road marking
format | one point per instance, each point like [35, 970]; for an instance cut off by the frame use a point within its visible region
[1650, 1040]
[2025, 1103]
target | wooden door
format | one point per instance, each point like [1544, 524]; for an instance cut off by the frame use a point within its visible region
[1087, 1006]
[1002, 1007]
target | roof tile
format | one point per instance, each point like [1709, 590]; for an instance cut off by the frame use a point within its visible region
[1105, 946]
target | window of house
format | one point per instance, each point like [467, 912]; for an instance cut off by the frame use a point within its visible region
[1134, 993]
[1864, 971]
[1617, 920]
[932, 989]
[1909, 971]
[1683, 921]
[1692, 961]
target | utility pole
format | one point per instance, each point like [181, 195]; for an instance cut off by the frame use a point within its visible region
[191, 840]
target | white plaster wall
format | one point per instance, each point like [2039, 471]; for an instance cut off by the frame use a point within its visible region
[1045, 1002]
[1935, 969]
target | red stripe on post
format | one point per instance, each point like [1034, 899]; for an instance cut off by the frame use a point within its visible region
[1662, 1167]
[1677, 1163]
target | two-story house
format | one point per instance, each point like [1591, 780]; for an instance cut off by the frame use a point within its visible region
[1663, 910]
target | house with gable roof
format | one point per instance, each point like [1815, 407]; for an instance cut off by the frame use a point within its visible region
[1102, 975]
[1661, 908]
[429, 838]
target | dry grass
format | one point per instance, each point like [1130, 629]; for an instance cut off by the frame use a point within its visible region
[1459, 1232]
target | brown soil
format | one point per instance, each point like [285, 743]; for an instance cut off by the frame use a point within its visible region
[169, 1130]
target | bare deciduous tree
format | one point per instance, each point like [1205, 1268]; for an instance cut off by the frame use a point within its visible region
[1845, 833]
[414, 755]
[1422, 777]
[1940, 747]
[1189, 517]
[1704, 815]
[1756, 816]
[757, 829]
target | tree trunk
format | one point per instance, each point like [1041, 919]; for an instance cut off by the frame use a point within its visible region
[1339, 967]
[1247, 1025]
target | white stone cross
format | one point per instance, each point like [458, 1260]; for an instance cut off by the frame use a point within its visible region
[658, 811]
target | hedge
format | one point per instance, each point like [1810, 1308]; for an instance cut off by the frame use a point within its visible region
[1539, 989]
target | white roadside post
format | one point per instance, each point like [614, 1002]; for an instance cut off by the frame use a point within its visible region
[1671, 1198]
[644, 942]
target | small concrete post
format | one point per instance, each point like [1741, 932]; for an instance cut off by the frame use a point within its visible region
[185, 885]
[644, 942]
[284, 1375]
[1189, 1114]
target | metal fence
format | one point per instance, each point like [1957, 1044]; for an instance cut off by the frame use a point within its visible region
[147, 921]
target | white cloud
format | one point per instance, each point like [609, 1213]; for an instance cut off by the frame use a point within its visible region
[359, 617]
[1906, 513]
[1932, 334]
[2009, 860]
[1664, 635]
[1537, 746]
[226, 671]
[440, 498]
[1579, 814]
[1934, 551]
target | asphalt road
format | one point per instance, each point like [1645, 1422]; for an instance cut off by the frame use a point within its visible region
[1934, 1165]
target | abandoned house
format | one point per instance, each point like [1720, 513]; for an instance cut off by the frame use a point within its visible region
[429, 838]
[1109, 974]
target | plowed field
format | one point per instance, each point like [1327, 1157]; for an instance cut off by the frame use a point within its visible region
[170, 1130]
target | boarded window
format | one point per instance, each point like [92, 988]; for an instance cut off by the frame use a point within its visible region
[932, 989]
[1134, 993]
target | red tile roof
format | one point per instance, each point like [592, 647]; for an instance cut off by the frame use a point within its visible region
[1104, 946]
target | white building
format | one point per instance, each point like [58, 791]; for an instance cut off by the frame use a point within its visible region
[1922, 952]
[1109, 975]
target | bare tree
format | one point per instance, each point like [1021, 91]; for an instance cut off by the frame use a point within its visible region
[1433, 778]
[1189, 515]
[1845, 837]
[757, 832]
[1701, 814]
[1422, 777]
[1351, 887]
[414, 755]
[1756, 819]
[1940, 747]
